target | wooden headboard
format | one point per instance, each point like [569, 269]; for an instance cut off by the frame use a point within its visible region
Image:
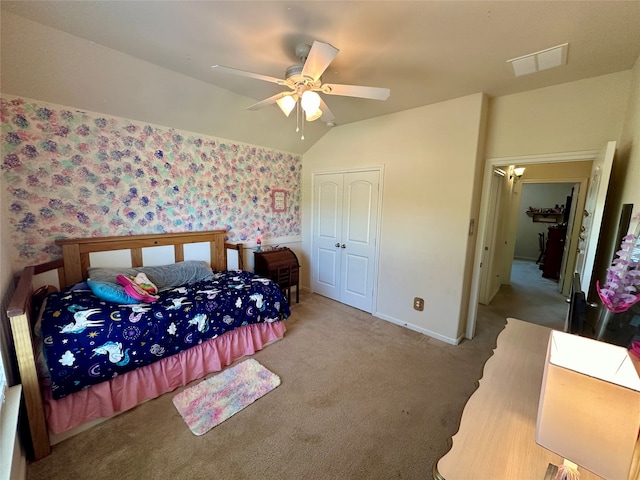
[76, 252]
[72, 268]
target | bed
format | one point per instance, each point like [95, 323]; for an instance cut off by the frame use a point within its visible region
[177, 332]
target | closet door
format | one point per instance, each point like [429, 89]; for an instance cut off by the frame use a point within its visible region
[359, 228]
[327, 234]
[345, 229]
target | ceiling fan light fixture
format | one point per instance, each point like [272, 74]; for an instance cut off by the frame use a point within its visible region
[313, 116]
[286, 104]
[310, 102]
[305, 81]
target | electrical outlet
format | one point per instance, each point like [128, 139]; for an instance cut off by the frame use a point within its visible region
[418, 304]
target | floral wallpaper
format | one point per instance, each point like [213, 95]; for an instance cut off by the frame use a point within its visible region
[71, 173]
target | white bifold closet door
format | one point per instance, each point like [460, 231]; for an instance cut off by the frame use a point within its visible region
[345, 226]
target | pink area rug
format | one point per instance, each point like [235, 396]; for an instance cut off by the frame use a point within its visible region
[212, 401]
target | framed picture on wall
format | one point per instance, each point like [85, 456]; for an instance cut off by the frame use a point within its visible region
[279, 200]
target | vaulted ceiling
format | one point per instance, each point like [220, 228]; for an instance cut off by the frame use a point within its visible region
[423, 51]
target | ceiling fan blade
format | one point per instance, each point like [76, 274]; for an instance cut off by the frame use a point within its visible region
[257, 76]
[327, 114]
[374, 93]
[268, 101]
[320, 56]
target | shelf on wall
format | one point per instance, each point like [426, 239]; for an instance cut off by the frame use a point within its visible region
[546, 215]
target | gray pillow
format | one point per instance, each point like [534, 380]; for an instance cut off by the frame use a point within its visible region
[164, 276]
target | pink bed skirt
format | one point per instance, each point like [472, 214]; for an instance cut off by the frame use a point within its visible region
[130, 389]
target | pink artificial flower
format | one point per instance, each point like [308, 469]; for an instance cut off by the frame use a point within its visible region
[621, 289]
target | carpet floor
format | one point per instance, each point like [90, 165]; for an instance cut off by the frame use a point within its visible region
[360, 398]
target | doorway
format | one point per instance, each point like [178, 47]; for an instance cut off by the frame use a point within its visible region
[551, 165]
[543, 228]
[533, 244]
[542, 232]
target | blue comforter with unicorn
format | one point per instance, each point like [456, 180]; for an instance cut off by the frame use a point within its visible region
[88, 340]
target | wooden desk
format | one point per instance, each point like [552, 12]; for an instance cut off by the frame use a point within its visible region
[280, 265]
[496, 439]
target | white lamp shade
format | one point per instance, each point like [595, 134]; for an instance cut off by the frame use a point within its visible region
[286, 104]
[310, 102]
[518, 171]
[589, 410]
[314, 116]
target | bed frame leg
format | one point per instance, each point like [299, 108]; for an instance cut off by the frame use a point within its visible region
[30, 387]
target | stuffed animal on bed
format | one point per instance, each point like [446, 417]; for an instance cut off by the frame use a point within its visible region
[139, 287]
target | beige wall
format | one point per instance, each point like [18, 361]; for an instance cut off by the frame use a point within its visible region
[629, 148]
[625, 177]
[576, 116]
[572, 117]
[430, 155]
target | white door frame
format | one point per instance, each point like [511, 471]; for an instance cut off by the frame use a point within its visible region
[380, 170]
[490, 165]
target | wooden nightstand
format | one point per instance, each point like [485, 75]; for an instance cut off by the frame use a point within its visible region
[280, 265]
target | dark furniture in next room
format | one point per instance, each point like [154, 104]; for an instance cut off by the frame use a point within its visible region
[280, 265]
[554, 251]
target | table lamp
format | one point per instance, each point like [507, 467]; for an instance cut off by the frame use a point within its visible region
[589, 410]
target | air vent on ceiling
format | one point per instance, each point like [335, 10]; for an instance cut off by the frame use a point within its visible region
[542, 60]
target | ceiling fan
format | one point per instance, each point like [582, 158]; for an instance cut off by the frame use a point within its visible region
[304, 81]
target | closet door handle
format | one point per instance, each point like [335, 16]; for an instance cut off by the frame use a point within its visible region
[343, 246]
[337, 245]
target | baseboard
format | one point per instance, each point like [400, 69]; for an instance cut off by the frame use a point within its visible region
[527, 259]
[493, 295]
[54, 438]
[415, 328]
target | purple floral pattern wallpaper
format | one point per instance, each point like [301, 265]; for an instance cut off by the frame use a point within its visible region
[71, 173]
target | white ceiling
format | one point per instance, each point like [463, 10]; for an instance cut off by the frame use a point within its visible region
[424, 51]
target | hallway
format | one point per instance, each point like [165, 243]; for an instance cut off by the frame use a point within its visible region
[530, 297]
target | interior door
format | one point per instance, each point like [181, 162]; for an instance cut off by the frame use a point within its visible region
[345, 236]
[327, 234]
[488, 285]
[360, 214]
[566, 269]
[593, 212]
